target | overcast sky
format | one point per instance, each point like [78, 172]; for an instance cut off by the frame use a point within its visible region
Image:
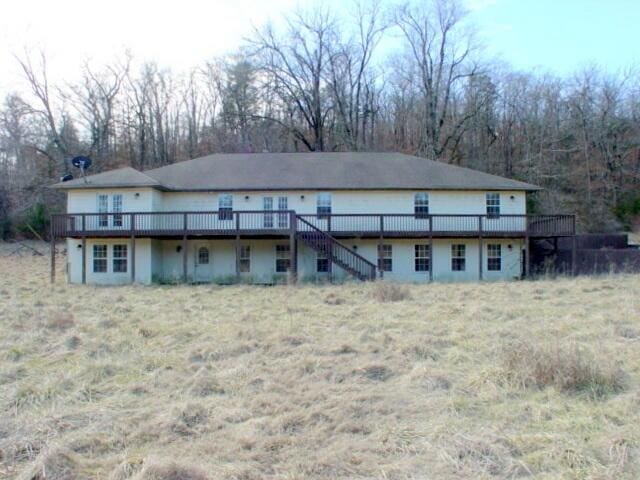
[552, 35]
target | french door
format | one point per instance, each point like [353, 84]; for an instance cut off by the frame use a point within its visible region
[283, 218]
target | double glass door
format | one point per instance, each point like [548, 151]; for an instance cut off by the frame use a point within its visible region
[277, 220]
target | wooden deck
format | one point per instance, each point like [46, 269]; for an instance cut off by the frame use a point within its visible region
[319, 232]
[280, 224]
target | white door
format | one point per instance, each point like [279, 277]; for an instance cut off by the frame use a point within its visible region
[203, 271]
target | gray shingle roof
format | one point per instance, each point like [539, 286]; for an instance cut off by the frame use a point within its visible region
[121, 177]
[304, 171]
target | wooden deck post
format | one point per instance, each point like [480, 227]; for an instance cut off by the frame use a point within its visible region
[184, 250]
[480, 247]
[237, 244]
[380, 242]
[84, 251]
[430, 248]
[293, 248]
[133, 248]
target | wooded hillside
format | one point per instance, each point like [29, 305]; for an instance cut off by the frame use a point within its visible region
[411, 78]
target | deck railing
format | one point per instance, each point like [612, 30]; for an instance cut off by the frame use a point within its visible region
[226, 222]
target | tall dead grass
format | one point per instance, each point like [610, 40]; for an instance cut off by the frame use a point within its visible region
[490, 380]
[567, 366]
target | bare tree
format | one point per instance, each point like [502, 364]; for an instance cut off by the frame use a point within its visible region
[440, 51]
[297, 63]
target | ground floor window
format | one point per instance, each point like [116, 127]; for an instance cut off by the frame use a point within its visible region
[203, 256]
[458, 260]
[494, 257]
[245, 258]
[283, 258]
[385, 258]
[99, 259]
[422, 258]
[119, 259]
[322, 262]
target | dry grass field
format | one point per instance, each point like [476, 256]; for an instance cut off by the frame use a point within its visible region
[493, 380]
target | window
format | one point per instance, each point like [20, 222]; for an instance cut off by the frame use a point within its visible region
[322, 262]
[385, 261]
[103, 207]
[283, 218]
[245, 258]
[116, 208]
[422, 258]
[458, 262]
[99, 259]
[203, 256]
[267, 206]
[494, 257]
[493, 205]
[119, 258]
[421, 205]
[225, 206]
[323, 205]
[283, 258]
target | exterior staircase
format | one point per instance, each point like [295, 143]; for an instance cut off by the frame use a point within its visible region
[336, 252]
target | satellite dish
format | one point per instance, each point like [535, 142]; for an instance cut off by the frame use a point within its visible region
[81, 162]
[66, 177]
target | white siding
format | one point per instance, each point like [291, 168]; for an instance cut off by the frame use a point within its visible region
[86, 201]
[364, 202]
[144, 261]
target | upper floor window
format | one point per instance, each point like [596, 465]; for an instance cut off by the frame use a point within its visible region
[225, 206]
[458, 257]
[421, 205]
[422, 258]
[385, 258]
[323, 204]
[493, 205]
[494, 257]
[283, 258]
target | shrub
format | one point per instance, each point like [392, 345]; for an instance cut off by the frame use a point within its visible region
[565, 367]
[35, 221]
[628, 210]
[391, 292]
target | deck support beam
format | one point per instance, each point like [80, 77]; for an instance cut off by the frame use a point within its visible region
[84, 260]
[430, 249]
[184, 248]
[380, 243]
[184, 259]
[133, 259]
[480, 248]
[133, 247]
[84, 250]
[526, 257]
[293, 248]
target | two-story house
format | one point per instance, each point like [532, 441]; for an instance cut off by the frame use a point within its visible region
[267, 217]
